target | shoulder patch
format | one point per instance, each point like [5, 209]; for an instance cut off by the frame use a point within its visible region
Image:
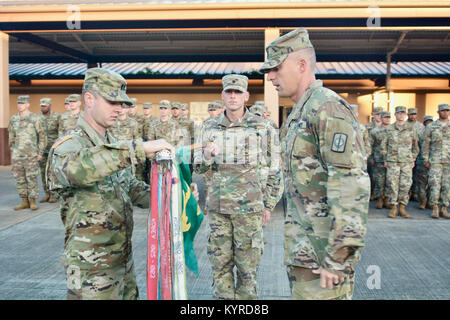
[61, 141]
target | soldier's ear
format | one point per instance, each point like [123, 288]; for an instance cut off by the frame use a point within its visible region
[89, 99]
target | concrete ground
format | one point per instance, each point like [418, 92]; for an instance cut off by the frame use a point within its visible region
[404, 259]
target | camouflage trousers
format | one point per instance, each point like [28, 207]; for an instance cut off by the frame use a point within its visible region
[422, 181]
[398, 182]
[235, 240]
[42, 165]
[117, 283]
[372, 182]
[439, 181]
[305, 285]
[26, 172]
[379, 180]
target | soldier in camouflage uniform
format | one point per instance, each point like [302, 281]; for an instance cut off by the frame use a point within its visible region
[125, 127]
[376, 121]
[436, 156]
[27, 141]
[164, 127]
[148, 113]
[364, 131]
[186, 125]
[326, 183]
[214, 110]
[91, 173]
[140, 118]
[421, 170]
[68, 120]
[376, 161]
[399, 148]
[418, 126]
[267, 113]
[66, 104]
[50, 121]
[147, 108]
[238, 144]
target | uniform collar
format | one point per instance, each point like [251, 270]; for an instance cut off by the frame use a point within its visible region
[241, 122]
[95, 137]
[295, 114]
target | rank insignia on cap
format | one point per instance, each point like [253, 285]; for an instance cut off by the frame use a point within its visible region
[339, 142]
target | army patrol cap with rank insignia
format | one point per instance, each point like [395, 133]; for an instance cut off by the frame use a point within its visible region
[400, 109]
[23, 99]
[377, 110]
[212, 106]
[147, 105]
[443, 107]
[109, 84]
[412, 111]
[385, 114]
[219, 103]
[235, 82]
[46, 102]
[164, 104]
[279, 49]
[74, 97]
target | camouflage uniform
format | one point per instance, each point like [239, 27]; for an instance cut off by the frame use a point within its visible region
[436, 146]
[379, 171]
[422, 171]
[399, 148]
[126, 129]
[148, 121]
[236, 200]
[139, 118]
[326, 183]
[186, 125]
[68, 121]
[168, 130]
[50, 123]
[27, 140]
[419, 128]
[92, 177]
[370, 126]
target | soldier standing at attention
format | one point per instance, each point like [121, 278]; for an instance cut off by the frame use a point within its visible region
[376, 121]
[148, 113]
[436, 156]
[418, 126]
[165, 127]
[140, 118]
[327, 188]
[91, 173]
[68, 120]
[27, 141]
[422, 171]
[66, 104]
[376, 161]
[399, 148]
[50, 121]
[125, 127]
[364, 131]
[238, 144]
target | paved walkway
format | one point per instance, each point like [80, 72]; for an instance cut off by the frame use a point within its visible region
[403, 258]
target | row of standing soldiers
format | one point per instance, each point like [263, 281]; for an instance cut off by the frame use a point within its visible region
[409, 159]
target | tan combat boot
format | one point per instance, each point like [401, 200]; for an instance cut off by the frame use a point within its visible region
[393, 212]
[24, 205]
[403, 212]
[45, 199]
[444, 213]
[33, 205]
[423, 204]
[435, 214]
[386, 203]
[51, 199]
[379, 204]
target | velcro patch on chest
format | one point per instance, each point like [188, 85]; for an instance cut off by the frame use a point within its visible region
[339, 142]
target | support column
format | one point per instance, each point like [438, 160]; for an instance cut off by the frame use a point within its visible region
[5, 153]
[270, 94]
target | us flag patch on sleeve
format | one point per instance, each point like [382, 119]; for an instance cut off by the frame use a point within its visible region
[339, 142]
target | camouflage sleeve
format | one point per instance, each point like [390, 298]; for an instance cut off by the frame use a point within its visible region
[347, 187]
[367, 142]
[42, 135]
[383, 146]
[60, 126]
[12, 135]
[415, 145]
[370, 157]
[274, 187]
[72, 165]
[139, 193]
[201, 165]
[426, 138]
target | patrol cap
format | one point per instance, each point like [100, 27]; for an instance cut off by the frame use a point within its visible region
[183, 106]
[385, 114]
[147, 105]
[176, 105]
[109, 84]
[212, 106]
[74, 97]
[235, 81]
[377, 110]
[279, 49]
[443, 106]
[46, 101]
[164, 104]
[257, 109]
[66, 100]
[23, 99]
[427, 118]
[400, 109]
[134, 102]
[412, 111]
[219, 103]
